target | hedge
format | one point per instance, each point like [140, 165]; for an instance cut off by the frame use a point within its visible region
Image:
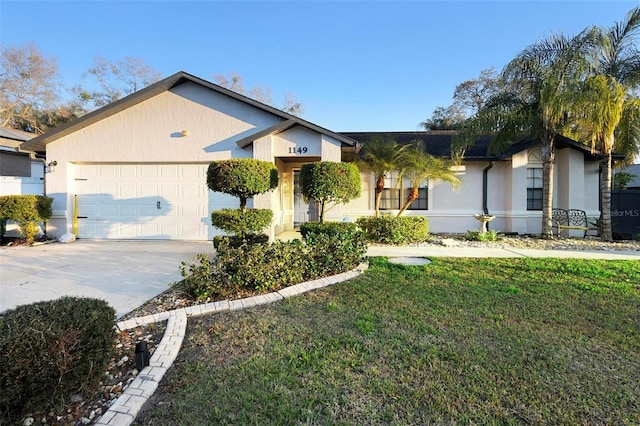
[27, 211]
[388, 229]
[265, 267]
[51, 350]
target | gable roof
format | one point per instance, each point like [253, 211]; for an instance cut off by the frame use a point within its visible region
[438, 144]
[39, 143]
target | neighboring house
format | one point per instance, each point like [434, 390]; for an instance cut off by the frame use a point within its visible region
[21, 173]
[137, 168]
[634, 169]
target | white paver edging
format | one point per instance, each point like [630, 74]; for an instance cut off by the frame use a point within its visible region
[124, 410]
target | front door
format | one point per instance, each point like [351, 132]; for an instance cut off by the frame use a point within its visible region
[300, 208]
[302, 212]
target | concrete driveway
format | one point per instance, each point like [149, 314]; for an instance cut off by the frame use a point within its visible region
[124, 273]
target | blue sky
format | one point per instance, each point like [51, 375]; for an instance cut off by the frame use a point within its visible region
[354, 65]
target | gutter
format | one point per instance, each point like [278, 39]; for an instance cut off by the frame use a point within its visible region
[485, 180]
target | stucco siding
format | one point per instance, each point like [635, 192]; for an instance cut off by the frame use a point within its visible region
[297, 142]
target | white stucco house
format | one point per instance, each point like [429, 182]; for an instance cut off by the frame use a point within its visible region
[136, 169]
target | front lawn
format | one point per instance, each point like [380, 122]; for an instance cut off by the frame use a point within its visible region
[481, 341]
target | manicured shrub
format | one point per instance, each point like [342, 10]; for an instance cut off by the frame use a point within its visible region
[329, 182]
[261, 267]
[335, 253]
[52, 350]
[388, 229]
[241, 222]
[27, 211]
[199, 280]
[329, 228]
[242, 177]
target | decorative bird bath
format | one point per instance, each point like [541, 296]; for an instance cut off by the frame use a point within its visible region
[483, 219]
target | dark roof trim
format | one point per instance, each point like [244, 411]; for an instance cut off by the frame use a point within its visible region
[38, 143]
[438, 143]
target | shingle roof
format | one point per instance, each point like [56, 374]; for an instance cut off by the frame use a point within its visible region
[634, 169]
[12, 138]
[39, 143]
[438, 143]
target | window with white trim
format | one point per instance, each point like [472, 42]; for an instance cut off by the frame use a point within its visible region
[534, 180]
[393, 197]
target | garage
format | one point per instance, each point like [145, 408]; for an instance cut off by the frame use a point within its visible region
[136, 168]
[145, 201]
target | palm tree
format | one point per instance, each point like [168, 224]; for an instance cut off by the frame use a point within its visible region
[606, 107]
[418, 167]
[540, 83]
[380, 157]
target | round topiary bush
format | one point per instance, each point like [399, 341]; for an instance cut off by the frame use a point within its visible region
[329, 182]
[52, 350]
[242, 177]
[241, 222]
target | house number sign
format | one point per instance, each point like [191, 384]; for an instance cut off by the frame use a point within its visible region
[298, 150]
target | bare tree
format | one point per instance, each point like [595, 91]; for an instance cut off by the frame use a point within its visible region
[292, 106]
[28, 81]
[115, 80]
[471, 95]
[233, 81]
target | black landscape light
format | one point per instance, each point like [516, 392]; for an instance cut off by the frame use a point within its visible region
[142, 355]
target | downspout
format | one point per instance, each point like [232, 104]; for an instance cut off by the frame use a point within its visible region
[485, 180]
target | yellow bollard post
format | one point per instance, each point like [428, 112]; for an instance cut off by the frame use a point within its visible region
[75, 215]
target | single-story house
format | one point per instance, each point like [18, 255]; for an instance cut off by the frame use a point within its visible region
[136, 169]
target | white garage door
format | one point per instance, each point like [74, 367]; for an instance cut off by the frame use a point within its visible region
[146, 201]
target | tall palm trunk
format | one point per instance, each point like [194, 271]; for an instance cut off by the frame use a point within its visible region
[547, 188]
[605, 197]
[379, 190]
[413, 195]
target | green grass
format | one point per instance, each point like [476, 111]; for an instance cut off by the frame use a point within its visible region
[466, 341]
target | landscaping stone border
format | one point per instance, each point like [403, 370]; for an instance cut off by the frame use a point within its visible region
[124, 410]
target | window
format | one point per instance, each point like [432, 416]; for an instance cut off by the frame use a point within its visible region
[534, 188]
[534, 179]
[393, 197]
